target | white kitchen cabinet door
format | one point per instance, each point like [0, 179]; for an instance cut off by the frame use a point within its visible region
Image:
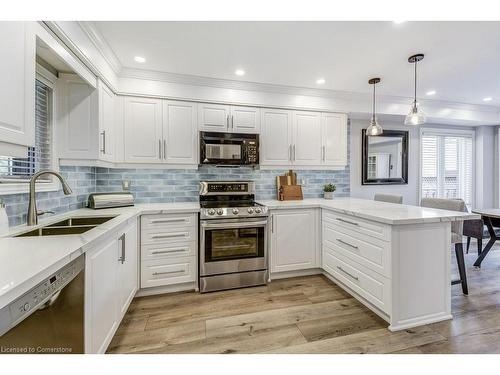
[143, 130]
[180, 132]
[128, 266]
[17, 89]
[78, 121]
[294, 240]
[306, 138]
[106, 123]
[276, 137]
[334, 136]
[245, 120]
[213, 117]
[101, 298]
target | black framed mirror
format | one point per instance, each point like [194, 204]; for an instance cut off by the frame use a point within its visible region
[385, 158]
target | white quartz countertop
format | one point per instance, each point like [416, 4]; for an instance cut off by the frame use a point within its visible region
[387, 213]
[25, 261]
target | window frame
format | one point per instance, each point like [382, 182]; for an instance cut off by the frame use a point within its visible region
[450, 133]
[49, 79]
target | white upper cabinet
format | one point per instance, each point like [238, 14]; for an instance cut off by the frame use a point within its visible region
[143, 138]
[228, 119]
[106, 123]
[306, 149]
[334, 137]
[180, 132]
[213, 117]
[276, 137]
[245, 120]
[17, 89]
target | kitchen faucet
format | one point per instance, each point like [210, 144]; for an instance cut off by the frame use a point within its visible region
[32, 211]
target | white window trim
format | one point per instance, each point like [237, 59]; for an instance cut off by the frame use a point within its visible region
[49, 79]
[448, 132]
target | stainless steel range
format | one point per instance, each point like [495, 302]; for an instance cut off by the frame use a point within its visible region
[233, 236]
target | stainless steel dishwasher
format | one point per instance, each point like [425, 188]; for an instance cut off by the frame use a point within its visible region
[49, 317]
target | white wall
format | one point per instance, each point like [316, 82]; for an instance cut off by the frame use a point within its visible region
[485, 167]
[409, 191]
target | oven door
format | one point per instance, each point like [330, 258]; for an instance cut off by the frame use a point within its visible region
[233, 245]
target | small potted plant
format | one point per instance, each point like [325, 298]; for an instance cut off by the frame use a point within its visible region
[329, 189]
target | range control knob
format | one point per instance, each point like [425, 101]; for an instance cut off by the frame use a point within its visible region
[26, 306]
[250, 210]
[211, 211]
[258, 210]
[220, 211]
[235, 211]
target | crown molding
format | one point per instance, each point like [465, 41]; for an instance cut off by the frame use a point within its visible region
[100, 43]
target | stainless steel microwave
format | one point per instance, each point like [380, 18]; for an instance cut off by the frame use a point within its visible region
[229, 148]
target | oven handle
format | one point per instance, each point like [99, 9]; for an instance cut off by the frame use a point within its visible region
[251, 224]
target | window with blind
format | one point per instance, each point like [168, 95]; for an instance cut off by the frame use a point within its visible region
[446, 166]
[15, 170]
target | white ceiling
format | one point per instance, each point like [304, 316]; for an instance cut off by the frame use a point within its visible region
[461, 62]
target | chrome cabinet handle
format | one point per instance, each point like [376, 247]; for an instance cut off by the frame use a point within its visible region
[164, 149]
[232, 122]
[169, 235]
[167, 273]
[272, 223]
[168, 220]
[180, 250]
[227, 122]
[122, 258]
[346, 221]
[294, 153]
[348, 274]
[159, 149]
[290, 152]
[347, 243]
[324, 153]
[103, 133]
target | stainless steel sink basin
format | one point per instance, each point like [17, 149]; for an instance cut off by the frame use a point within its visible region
[79, 221]
[56, 231]
[71, 225]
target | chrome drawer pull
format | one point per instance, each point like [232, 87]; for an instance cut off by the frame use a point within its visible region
[347, 221]
[169, 235]
[347, 273]
[167, 273]
[347, 243]
[154, 221]
[170, 251]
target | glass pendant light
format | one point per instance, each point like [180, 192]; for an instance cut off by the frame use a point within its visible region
[416, 115]
[374, 128]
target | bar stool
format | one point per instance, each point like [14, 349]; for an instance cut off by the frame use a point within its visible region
[456, 233]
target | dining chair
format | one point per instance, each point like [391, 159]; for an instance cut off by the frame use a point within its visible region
[389, 198]
[476, 229]
[456, 233]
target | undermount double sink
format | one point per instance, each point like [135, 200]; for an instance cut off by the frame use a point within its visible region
[71, 225]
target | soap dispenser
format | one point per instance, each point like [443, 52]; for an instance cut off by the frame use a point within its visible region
[4, 220]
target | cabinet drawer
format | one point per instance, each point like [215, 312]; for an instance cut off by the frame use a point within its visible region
[160, 272]
[368, 284]
[167, 221]
[169, 250]
[368, 227]
[368, 251]
[170, 235]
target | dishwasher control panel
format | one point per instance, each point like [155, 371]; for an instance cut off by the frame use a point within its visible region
[39, 295]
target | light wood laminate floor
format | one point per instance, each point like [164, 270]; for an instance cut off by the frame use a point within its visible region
[308, 315]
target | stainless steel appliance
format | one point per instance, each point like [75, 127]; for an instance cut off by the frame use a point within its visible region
[110, 200]
[229, 149]
[49, 317]
[233, 236]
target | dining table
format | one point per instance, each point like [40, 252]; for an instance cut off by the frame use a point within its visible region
[491, 218]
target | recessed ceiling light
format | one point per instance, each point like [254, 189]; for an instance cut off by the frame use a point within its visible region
[431, 92]
[140, 59]
[487, 99]
[239, 72]
[320, 81]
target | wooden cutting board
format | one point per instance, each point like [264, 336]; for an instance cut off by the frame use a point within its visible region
[291, 192]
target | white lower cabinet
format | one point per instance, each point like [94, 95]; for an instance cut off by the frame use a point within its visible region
[294, 240]
[111, 280]
[169, 249]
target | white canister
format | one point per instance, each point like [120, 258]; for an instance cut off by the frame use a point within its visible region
[4, 220]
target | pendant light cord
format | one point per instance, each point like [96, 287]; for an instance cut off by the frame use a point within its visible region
[373, 113]
[415, 97]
